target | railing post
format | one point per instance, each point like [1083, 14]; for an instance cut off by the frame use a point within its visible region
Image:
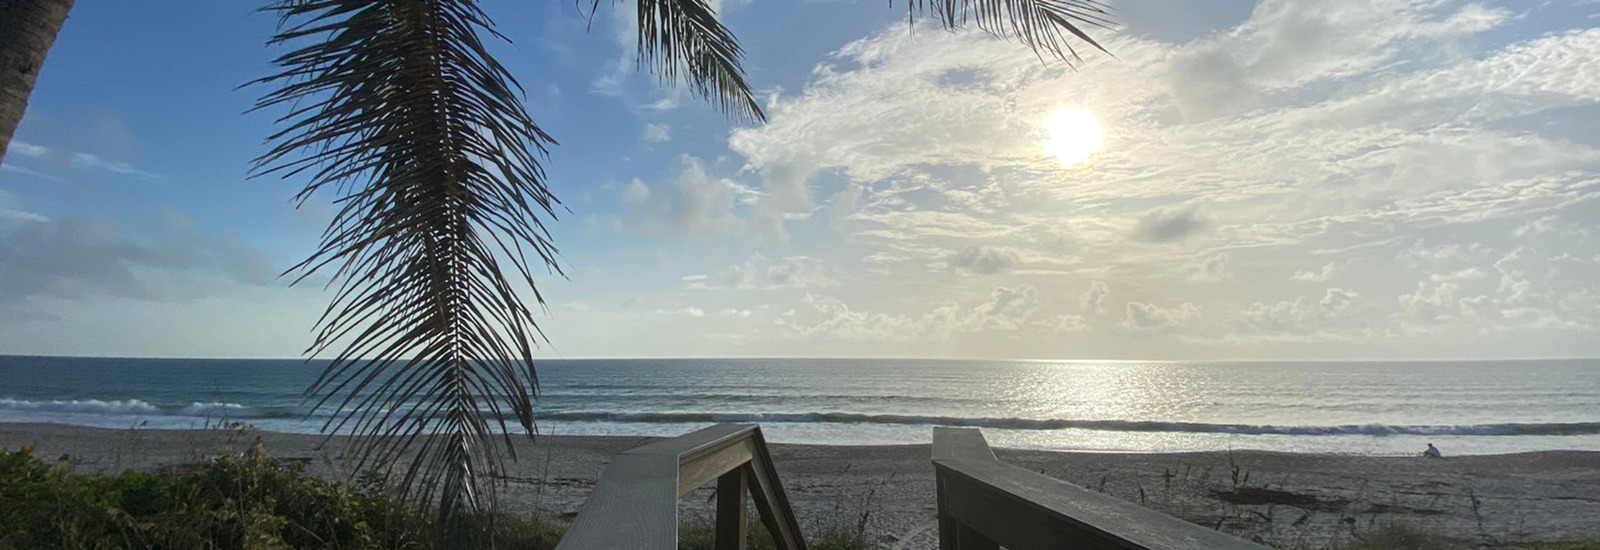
[968, 538]
[732, 522]
[954, 535]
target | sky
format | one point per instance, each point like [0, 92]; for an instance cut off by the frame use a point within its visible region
[1315, 179]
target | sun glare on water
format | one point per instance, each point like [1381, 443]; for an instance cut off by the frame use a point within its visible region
[1071, 135]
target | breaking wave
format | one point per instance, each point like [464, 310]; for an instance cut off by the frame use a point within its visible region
[93, 406]
[136, 407]
[132, 407]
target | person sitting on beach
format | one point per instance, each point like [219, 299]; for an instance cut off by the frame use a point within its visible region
[1432, 452]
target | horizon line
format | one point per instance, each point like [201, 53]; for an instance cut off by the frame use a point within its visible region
[869, 358]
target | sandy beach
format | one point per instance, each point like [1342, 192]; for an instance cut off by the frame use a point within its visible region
[1283, 499]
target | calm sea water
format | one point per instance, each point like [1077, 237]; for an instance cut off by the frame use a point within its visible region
[1333, 407]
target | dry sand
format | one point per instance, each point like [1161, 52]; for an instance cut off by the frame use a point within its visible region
[1284, 499]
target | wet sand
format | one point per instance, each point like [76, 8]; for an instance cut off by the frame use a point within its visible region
[1283, 499]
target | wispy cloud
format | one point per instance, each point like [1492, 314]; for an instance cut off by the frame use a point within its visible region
[74, 159]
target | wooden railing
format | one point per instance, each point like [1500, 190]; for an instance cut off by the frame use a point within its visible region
[985, 503]
[635, 503]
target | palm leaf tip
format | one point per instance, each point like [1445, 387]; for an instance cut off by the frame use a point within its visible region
[683, 41]
[398, 108]
[1042, 25]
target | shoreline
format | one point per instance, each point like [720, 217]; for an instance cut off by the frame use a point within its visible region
[1455, 445]
[1278, 497]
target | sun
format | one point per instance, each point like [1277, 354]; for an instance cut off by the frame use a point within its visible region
[1072, 135]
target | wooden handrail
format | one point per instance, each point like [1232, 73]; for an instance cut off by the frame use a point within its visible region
[985, 503]
[635, 503]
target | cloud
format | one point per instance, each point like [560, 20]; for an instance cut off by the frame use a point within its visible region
[1006, 310]
[844, 203]
[657, 133]
[1291, 44]
[1535, 295]
[73, 258]
[636, 192]
[787, 272]
[28, 149]
[1520, 272]
[1546, 224]
[1064, 322]
[27, 172]
[10, 213]
[1468, 274]
[1094, 300]
[802, 272]
[1302, 319]
[1430, 302]
[67, 258]
[60, 163]
[838, 321]
[1372, 143]
[691, 205]
[1146, 317]
[744, 275]
[1425, 254]
[1214, 268]
[1167, 225]
[1316, 276]
[984, 260]
[689, 311]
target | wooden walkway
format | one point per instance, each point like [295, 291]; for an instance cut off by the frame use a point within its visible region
[983, 504]
[635, 503]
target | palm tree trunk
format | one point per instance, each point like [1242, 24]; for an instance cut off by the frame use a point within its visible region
[27, 29]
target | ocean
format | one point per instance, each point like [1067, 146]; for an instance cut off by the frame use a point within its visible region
[1367, 408]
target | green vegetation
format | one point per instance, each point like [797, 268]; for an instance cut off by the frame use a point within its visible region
[236, 500]
[1403, 536]
[699, 533]
[1407, 536]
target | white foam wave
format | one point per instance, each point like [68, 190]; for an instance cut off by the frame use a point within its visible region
[214, 408]
[93, 406]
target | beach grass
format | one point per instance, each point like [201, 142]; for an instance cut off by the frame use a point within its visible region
[698, 532]
[1403, 536]
[1414, 536]
[233, 500]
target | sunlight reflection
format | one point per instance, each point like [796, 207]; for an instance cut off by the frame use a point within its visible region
[1113, 391]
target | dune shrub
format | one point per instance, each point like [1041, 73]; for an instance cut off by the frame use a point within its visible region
[234, 500]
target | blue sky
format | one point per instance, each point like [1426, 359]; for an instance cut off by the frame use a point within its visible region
[1318, 179]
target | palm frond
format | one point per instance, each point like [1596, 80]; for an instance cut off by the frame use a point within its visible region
[683, 41]
[1038, 24]
[397, 107]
